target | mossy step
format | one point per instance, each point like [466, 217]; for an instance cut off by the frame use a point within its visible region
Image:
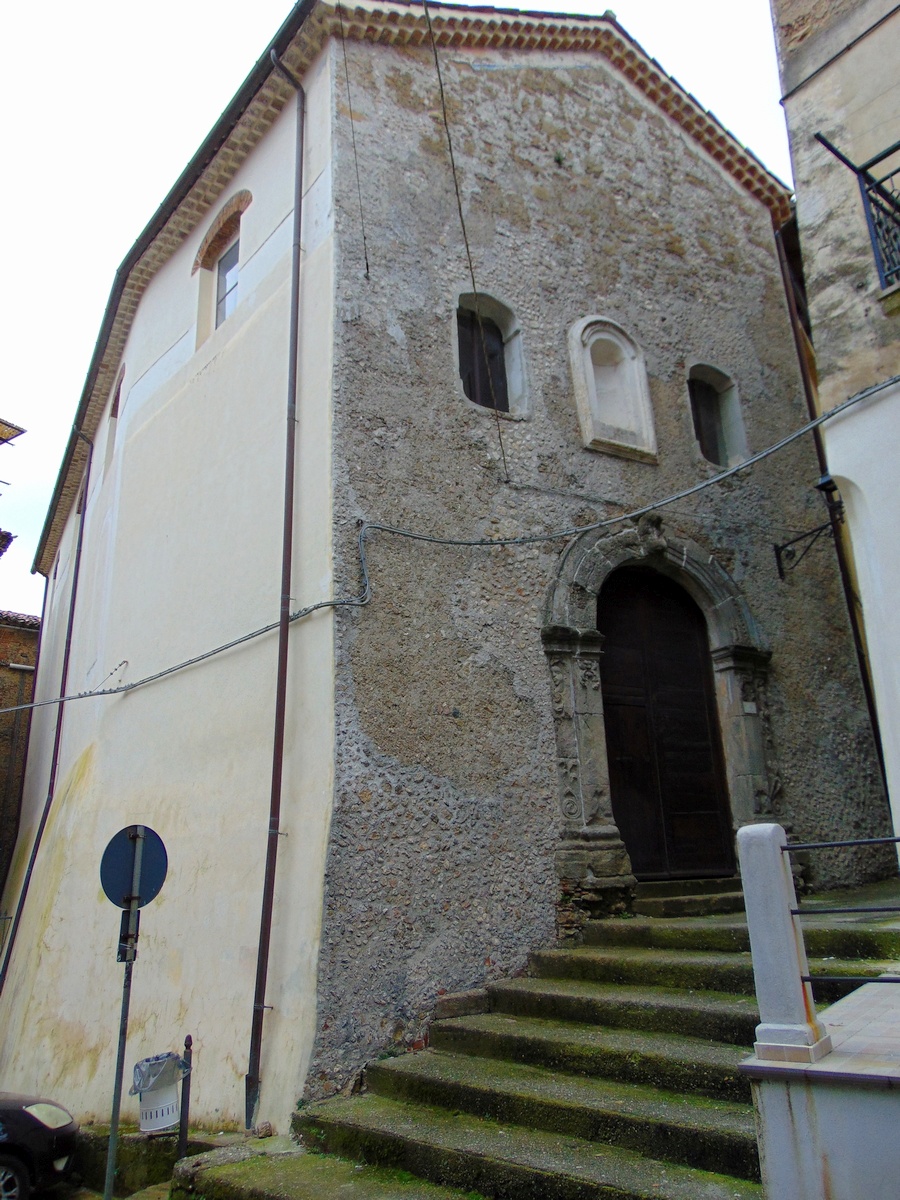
[690, 933]
[848, 940]
[718, 1016]
[301, 1175]
[699, 969]
[503, 1161]
[701, 905]
[692, 1130]
[653, 889]
[632, 1056]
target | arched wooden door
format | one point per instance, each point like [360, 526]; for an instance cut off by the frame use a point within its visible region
[666, 769]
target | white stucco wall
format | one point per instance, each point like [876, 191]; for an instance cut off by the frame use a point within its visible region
[181, 554]
[863, 446]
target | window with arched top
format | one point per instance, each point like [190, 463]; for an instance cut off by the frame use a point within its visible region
[716, 415]
[612, 394]
[218, 265]
[489, 354]
[113, 421]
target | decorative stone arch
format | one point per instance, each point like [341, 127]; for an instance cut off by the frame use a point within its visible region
[223, 230]
[592, 862]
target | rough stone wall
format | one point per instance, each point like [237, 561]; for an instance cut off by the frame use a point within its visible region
[579, 198]
[18, 646]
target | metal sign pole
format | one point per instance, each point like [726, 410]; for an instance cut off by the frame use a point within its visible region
[130, 953]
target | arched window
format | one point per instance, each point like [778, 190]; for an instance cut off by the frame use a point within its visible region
[716, 413]
[218, 262]
[113, 421]
[611, 390]
[489, 354]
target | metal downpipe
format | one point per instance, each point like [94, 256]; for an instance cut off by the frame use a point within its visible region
[60, 711]
[252, 1078]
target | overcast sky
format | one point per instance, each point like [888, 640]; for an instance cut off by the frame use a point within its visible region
[106, 102]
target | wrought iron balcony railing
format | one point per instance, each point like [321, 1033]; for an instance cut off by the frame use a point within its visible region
[881, 201]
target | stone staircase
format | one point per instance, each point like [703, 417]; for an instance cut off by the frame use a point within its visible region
[688, 898]
[610, 1071]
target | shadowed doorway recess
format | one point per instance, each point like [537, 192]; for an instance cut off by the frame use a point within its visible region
[666, 767]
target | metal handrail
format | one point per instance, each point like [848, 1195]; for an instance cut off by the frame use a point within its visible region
[880, 841]
[850, 978]
[834, 908]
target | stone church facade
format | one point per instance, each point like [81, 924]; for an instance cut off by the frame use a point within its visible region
[456, 788]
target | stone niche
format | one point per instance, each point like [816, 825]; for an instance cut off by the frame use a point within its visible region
[612, 395]
[592, 862]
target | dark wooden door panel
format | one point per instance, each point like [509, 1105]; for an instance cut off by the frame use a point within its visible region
[638, 814]
[667, 775]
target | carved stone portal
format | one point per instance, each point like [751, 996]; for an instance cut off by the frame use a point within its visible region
[592, 863]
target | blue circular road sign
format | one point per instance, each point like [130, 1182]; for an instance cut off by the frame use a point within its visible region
[117, 866]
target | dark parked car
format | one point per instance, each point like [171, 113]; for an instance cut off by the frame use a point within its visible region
[37, 1144]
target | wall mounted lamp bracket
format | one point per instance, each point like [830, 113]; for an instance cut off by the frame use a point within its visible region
[787, 557]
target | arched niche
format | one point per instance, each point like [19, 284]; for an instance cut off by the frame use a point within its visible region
[612, 394]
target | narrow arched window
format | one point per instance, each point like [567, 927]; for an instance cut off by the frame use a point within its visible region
[113, 422]
[716, 415]
[482, 365]
[218, 263]
[489, 354]
[227, 281]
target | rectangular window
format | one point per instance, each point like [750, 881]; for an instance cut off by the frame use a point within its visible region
[227, 282]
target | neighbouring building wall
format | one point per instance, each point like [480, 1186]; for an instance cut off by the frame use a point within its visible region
[839, 74]
[182, 553]
[581, 200]
[18, 653]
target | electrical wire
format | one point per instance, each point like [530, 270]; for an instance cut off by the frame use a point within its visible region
[362, 223]
[368, 527]
[465, 236]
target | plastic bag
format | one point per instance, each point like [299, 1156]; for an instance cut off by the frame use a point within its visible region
[162, 1070]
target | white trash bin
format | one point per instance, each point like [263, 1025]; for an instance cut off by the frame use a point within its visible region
[156, 1082]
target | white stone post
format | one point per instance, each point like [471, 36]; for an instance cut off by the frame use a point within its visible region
[789, 1030]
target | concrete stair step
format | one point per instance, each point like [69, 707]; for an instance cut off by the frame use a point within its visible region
[692, 1130]
[298, 1174]
[720, 1017]
[665, 1060]
[689, 969]
[848, 940]
[507, 1162]
[676, 934]
[700, 905]
[649, 966]
[653, 889]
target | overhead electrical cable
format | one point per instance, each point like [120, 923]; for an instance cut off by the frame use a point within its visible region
[362, 221]
[368, 527]
[465, 236]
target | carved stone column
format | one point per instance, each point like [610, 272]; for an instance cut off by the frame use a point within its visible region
[592, 863]
[754, 782]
